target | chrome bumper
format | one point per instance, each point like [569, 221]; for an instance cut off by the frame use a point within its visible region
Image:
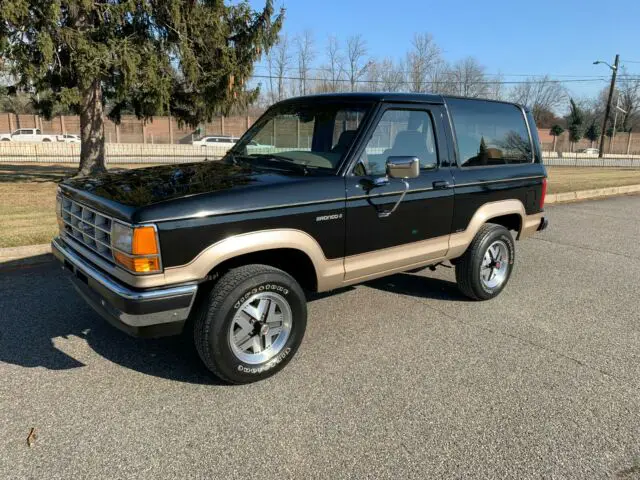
[156, 312]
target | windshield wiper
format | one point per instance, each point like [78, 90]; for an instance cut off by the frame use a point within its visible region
[270, 157]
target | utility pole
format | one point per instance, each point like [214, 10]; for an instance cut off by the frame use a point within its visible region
[614, 73]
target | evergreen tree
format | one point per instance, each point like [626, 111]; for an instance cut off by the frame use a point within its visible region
[592, 133]
[576, 118]
[555, 132]
[184, 57]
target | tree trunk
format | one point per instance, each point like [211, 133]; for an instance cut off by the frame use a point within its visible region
[555, 138]
[92, 132]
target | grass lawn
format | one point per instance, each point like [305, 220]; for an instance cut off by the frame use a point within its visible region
[28, 191]
[572, 179]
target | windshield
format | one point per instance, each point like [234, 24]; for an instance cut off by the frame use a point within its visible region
[314, 135]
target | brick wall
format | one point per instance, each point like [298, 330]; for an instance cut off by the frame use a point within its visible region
[131, 130]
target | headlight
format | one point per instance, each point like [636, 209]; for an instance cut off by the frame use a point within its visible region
[121, 237]
[136, 248]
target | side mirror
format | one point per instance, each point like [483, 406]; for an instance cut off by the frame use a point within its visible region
[403, 167]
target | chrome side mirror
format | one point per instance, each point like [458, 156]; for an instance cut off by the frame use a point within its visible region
[403, 167]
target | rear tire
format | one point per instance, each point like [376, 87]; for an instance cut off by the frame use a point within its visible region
[484, 269]
[251, 324]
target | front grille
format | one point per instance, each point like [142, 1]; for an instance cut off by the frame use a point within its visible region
[92, 229]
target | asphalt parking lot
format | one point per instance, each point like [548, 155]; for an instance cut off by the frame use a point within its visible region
[398, 378]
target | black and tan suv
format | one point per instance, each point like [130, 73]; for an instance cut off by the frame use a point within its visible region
[321, 192]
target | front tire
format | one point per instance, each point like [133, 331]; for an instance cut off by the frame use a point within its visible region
[251, 324]
[484, 269]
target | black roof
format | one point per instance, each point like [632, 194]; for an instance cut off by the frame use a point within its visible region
[387, 97]
[373, 97]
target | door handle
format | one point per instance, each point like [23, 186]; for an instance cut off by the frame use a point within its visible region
[440, 184]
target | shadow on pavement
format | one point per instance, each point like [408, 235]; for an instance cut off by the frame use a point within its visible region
[419, 286]
[20, 263]
[39, 307]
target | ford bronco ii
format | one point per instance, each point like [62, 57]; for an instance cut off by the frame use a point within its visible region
[321, 192]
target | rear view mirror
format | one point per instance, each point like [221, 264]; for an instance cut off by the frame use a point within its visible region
[403, 167]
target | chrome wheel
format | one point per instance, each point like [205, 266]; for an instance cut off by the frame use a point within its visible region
[495, 265]
[260, 328]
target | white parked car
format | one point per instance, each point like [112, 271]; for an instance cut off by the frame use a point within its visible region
[69, 138]
[33, 135]
[216, 141]
[590, 151]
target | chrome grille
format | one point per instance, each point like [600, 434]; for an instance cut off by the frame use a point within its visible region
[92, 229]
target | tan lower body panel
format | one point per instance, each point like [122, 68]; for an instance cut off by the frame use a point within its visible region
[368, 266]
[331, 274]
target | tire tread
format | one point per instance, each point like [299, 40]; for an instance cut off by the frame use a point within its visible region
[220, 291]
[464, 265]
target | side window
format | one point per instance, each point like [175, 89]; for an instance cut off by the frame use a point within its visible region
[345, 128]
[212, 140]
[38, 132]
[490, 133]
[400, 133]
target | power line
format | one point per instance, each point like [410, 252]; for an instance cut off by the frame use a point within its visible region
[528, 75]
[406, 82]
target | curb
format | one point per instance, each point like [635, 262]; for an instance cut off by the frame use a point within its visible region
[554, 198]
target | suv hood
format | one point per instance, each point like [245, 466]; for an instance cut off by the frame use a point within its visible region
[146, 186]
[126, 194]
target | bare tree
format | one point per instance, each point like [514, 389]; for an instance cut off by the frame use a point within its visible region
[306, 55]
[468, 77]
[391, 76]
[385, 76]
[629, 94]
[333, 70]
[495, 89]
[440, 79]
[356, 59]
[278, 63]
[373, 77]
[422, 61]
[540, 95]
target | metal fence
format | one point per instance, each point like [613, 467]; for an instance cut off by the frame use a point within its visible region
[13, 152]
[52, 153]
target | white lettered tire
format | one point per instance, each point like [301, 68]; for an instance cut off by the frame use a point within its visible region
[251, 324]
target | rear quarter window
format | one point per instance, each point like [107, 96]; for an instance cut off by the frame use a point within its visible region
[489, 133]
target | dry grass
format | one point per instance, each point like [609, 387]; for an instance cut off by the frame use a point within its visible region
[570, 179]
[27, 214]
[27, 205]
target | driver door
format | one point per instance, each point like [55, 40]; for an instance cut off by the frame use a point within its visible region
[418, 230]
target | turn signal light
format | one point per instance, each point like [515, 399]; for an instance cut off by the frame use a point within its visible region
[144, 241]
[137, 264]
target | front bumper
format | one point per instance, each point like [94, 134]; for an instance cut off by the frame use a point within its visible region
[147, 313]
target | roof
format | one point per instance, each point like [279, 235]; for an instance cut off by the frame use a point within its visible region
[387, 97]
[372, 97]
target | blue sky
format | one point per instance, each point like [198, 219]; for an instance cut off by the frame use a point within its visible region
[511, 37]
